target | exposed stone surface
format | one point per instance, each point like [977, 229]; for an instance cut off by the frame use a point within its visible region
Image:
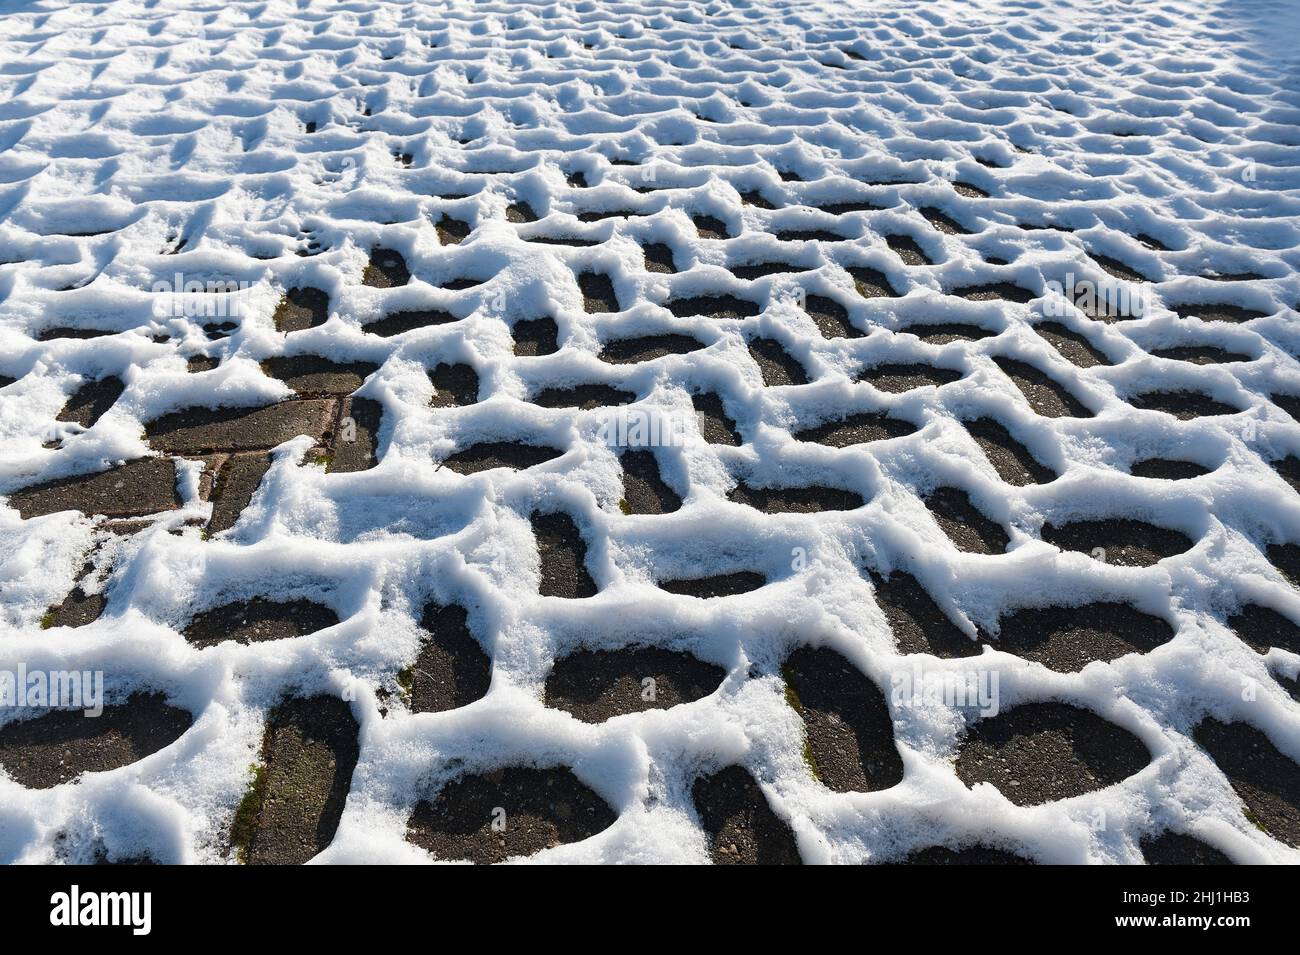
[596, 685]
[1041, 752]
[741, 826]
[517, 811]
[143, 486]
[294, 805]
[61, 745]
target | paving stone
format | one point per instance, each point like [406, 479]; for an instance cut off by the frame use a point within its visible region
[355, 438]
[89, 402]
[1041, 752]
[59, 746]
[301, 309]
[507, 813]
[850, 734]
[741, 826]
[536, 336]
[314, 375]
[258, 620]
[235, 485]
[454, 385]
[292, 810]
[563, 555]
[452, 669]
[597, 685]
[1265, 779]
[386, 269]
[142, 486]
[197, 430]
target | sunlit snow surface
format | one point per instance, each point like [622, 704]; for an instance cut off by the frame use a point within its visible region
[145, 122]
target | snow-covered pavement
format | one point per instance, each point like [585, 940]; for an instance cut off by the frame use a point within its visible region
[957, 339]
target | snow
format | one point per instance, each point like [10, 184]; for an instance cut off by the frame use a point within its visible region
[167, 119]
